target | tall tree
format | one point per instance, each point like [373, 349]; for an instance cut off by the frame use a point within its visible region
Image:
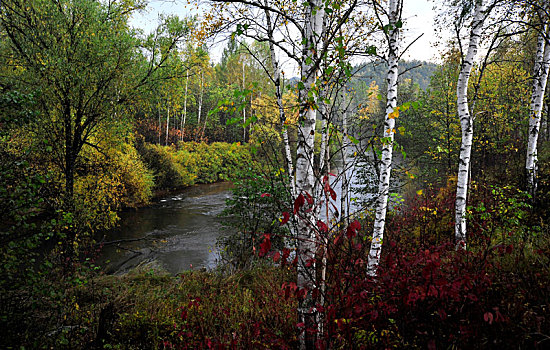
[82, 56]
[392, 30]
[540, 78]
[466, 121]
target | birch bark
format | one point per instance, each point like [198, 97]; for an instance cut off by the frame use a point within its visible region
[184, 105]
[388, 136]
[200, 108]
[540, 74]
[280, 105]
[466, 123]
[345, 147]
[306, 240]
[167, 125]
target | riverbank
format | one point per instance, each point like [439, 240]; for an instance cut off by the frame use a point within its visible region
[189, 163]
[152, 310]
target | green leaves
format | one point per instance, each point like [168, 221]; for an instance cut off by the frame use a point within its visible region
[241, 28]
[353, 139]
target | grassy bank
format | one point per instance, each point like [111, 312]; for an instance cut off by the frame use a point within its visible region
[152, 310]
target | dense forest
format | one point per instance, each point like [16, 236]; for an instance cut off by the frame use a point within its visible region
[375, 202]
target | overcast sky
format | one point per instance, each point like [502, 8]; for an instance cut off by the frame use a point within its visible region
[418, 15]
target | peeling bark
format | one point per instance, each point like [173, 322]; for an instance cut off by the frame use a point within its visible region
[388, 137]
[467, 125]
[306, 239]
[540, 74]
[279, 95]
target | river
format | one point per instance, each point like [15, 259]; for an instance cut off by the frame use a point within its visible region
[179, 232]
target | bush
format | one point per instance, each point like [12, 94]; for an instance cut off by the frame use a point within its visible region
[252, 212]
[194, 163]
[138, 181]
[217, 161]
[168, 172]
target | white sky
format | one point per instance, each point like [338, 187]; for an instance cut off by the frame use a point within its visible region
[418, 15]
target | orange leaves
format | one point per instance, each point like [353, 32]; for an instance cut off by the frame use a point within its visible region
[394, 114]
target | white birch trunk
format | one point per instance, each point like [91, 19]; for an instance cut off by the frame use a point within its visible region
[200, 107]
[184, 106]
[345, 148]
[244, 108]
[167, 125]
[324, 140]
[467, 125]
[540, 75]
[280, 105]
[306, 239]
[388, 136]
[160, 125]
[547, 115]
[306, 135]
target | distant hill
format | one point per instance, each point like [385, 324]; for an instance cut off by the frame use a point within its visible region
[420, 72]
[377, 72]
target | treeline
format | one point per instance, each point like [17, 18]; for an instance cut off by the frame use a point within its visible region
[453, 251]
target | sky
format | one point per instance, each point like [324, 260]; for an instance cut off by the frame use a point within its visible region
[418, 16]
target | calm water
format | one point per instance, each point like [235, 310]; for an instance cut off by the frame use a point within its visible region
[179, 232]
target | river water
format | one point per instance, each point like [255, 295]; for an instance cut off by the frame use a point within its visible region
[179, 232]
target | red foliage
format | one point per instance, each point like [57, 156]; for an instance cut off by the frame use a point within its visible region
[429, 295]
[152, 133]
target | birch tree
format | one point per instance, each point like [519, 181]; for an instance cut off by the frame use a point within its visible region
[392, 29]
[466, 121]
[540, 78]
[276, 76]
[184, 104]
[306, 34]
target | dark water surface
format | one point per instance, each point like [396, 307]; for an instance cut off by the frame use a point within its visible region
[179, 232]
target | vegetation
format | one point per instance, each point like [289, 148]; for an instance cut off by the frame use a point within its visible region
[376, 202]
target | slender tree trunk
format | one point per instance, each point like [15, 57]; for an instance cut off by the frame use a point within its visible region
[69, 156]
[167, 125]
[467, 125]
[204, 127]
[306, 238]
[200, 106]
[244, 108]
[345, 147]
[160, 126]
[251, 116]
[547, 114]
[184, 106]
[280, 105]
[540, 74]
[388, 136]
[323, 111]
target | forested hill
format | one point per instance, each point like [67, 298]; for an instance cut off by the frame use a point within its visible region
[419, 72]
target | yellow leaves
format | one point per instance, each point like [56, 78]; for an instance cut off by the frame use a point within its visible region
[420, 192]
[394, 114]
[410, 175]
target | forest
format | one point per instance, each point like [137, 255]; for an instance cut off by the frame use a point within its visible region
[336, 194]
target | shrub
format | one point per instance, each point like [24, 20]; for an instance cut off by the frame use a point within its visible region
[167, 171]
[252, 212]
